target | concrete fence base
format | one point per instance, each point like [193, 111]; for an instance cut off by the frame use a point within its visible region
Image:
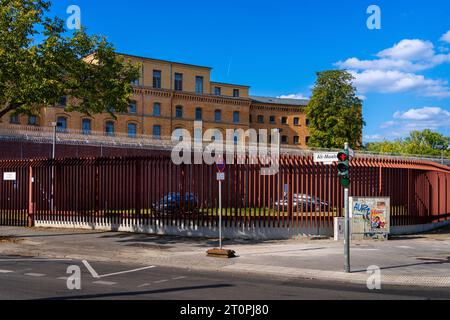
[249, 232]
[420, 228]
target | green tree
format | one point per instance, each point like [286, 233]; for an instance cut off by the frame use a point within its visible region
[425, 143]
[40, 63]
[334, 111]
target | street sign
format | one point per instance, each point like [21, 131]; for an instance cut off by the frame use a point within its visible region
[9, 176]
[220, 164]
[326, 157]
[220, 176]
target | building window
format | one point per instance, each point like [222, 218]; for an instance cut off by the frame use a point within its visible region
[198, 114]
[199, 85]
[198, 135]
[296, 121]
[283, 120]
[250, 118]
[32, 120]
[109, 128]
[284, 139]
[178, 134]
[178, 82]
[132, 107]
[236, 137]
[236, 93]
[307, 122]
[296, 140]
[218, 115]
[156, 79]
[218, 91]
[63, 101]
[61, 124]
[14, 119]
[236, 116]
[260, 119]
[132, 130]
[179, 112]
[156, 109]
[86, 126]
[307, 140]
[135, 82]
[157, 132]
[272, 120]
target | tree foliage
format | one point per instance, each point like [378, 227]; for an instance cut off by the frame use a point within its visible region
[334, 111]
[40, 63]
[426, 142]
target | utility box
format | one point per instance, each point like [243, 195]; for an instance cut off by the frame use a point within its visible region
[370, 217]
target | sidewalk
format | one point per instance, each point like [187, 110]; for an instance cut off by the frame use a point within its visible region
[421, 260]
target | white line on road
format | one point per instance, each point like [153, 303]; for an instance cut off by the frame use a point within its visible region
[161, 281]
[179, 278]
[63, 278]
[37, 275]
[144, 285]
[6, 271]
[97, 276]
[106, 283]
[404, 247]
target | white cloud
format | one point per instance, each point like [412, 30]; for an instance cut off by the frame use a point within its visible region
[446, 37]
[395, 69]
[385, 81]
[410, 50]
[434, 118]
[294, 96]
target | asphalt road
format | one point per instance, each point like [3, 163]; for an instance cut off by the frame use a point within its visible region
[29, 278]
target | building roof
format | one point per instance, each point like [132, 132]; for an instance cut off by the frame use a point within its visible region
[163, 61]
[282, 101]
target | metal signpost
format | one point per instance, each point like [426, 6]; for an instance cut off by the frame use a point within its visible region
[220, 178]
[344, 158]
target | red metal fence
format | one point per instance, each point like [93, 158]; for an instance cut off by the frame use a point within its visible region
[153, 190]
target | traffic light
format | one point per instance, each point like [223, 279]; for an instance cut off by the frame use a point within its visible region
[344, 167]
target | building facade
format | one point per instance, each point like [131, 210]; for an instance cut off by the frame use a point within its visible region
[171, 96]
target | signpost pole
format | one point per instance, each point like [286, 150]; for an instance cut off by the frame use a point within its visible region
[347, 226]
[220, 215]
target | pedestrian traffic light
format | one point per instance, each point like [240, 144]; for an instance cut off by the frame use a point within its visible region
[344, 168]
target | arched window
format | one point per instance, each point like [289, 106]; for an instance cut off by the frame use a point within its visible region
[178, 133]
[109, 128]
[132, 130]
[61, 124]
[32, 120]
[86, 126]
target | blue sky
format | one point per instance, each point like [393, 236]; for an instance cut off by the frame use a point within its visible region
[402, 71]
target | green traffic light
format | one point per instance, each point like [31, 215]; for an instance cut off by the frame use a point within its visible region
[345, 182]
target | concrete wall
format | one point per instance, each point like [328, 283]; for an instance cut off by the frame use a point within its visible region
[191, 230]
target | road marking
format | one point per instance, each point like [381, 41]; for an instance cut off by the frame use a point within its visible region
[106, 283]
[63, 278]
[38, 275]
[6, 271]
[161, 281]
[404, 247]
[97, 276]
[144, 285]
[179, 278]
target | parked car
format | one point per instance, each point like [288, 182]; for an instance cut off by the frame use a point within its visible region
[171, 203]
[302, 202]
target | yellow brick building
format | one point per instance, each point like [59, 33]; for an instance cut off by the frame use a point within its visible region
[171, 95]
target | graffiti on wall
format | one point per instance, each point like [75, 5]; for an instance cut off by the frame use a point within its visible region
[370, 216]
